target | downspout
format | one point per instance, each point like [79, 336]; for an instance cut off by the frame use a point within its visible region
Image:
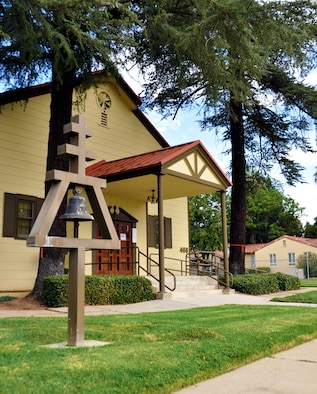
[161, 233]
[225, 240]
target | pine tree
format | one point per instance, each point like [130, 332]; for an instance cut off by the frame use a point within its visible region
[64, 40]
[205, 225]
[270, 214]
[227, 56]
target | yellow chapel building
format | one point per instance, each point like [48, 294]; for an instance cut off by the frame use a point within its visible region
[144, 175]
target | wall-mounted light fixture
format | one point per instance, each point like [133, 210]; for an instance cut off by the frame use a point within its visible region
[152, 199]
[114, 210]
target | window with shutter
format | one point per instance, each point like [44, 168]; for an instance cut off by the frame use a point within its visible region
[19, 214]
[153, 232]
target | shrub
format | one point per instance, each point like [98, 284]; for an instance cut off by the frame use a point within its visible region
[312, 264]
[55, 290]
[264, 270]
[99, 290]
[258, 270]
[255, 284]
[7, 298]
[140, 289]
[265, 283]
[287, 282]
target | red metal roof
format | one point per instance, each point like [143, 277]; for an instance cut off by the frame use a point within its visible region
[146, 163]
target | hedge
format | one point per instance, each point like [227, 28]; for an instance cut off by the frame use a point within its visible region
[287, 282]
[99, 290]
[258, 270]
[265, 283]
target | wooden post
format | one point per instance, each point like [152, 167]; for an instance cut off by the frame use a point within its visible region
[76, 297]
[161, 234]
[225, 240]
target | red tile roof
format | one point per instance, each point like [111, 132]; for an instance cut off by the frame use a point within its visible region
[252, 248]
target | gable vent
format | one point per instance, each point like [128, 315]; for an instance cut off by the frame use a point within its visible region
[104, 119]
[104, 104]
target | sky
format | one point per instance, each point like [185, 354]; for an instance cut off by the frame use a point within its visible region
[185, 128]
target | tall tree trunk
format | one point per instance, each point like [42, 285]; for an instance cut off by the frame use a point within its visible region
[238, 201]
[51, 261]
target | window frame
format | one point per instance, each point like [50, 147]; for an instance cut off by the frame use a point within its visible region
[25, 217]
[273, 262]
[291, 259]
[253, 261]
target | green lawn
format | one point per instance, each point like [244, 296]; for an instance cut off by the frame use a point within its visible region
[149, 353]
[308, 298]
[312, 282]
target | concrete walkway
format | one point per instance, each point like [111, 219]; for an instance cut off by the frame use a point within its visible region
[164, 305]
[291, 371]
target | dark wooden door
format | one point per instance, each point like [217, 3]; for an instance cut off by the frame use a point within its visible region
[117, 262]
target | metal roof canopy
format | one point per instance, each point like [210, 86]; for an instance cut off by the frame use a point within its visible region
[187, 170]
[180, 171]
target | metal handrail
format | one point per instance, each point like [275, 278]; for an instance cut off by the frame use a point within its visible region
[139, 267]
[207, 263]
[203, 262]
[157, 264]
[182, 270]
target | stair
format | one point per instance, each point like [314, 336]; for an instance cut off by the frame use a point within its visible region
[187, 286]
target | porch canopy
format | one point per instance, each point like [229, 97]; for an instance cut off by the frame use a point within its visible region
[179, 171]
[188, 170]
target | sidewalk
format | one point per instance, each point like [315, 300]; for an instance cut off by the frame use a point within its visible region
[163, 305]
[288, 372]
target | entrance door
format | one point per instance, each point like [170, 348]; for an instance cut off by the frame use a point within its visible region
[117, 262]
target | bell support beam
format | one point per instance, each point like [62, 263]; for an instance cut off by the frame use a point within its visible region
[73, 243]
[47, 214]
[102, 214]
[76, 179]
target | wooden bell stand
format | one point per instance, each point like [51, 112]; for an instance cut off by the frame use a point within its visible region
[61, 182]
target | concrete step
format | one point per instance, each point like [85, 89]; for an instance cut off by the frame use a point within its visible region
[174, 295]
[187, 286]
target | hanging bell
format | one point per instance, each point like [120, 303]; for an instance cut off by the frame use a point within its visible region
[76, 209]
